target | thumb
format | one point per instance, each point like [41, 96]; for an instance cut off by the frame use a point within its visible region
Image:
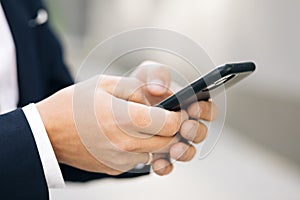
[158, 79]
[130, 89]
[157, 87]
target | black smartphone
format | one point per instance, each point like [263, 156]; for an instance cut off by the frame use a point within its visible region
[208, 85]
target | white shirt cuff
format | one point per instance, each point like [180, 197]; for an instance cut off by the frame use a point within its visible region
[50, 164]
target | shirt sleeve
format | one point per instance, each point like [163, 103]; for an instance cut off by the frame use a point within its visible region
[50, 164]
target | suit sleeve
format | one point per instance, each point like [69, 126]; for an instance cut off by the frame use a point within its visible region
[21, 171]
[58, 77]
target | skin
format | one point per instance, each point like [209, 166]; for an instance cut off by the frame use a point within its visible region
[115, 142]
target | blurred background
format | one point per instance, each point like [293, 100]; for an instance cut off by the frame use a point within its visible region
[258, 155]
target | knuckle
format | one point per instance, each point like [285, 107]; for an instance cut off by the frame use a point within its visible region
[121, 160]
[137, 96]
[170, 128]
[175, 120]
[118, 160]
[142, 121]
[140, 117]
[127, 145]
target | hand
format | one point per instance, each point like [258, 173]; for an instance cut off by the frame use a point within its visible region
[158, 80]
[93, 127]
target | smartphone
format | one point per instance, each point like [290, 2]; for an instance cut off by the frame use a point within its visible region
[208, 85]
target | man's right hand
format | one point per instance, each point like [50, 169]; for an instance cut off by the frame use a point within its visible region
[107, 124]
[122, 132]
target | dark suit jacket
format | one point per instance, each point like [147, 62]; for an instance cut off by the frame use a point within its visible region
[41, 72]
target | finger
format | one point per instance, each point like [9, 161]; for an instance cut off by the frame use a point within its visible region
[154, 120]
[159, 156]
[130, 160]
[146, 158]
[132, 120]
[156, 156]
[155, 144]
[125, 161]
[205, 110]
[193, 130]
[156, 75]
[126, 88]
[182, 152]
[156, 99]
[162, 167]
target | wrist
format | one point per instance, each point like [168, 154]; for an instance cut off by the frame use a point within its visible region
[45, 112]
[55, 116]
[47, 155]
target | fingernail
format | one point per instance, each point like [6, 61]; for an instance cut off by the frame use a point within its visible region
[157, 85]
